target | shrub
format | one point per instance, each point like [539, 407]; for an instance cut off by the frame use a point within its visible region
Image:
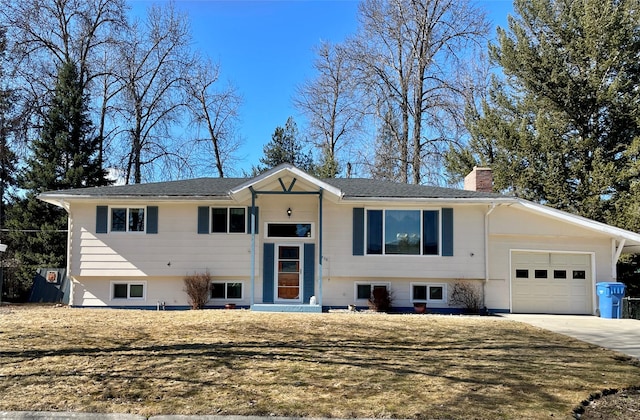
[197, 287]
[468, 296]
[380, 300]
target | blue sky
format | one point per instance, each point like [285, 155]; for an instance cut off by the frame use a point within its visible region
[265, 48]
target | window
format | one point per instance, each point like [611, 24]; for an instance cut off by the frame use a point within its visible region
[579, 274]
[219, 220]
[365, 290]
[540, 274]
[559, 274]
[237, 220]
[226, 290]
[289, 230]
[522, 273]
[127, 291]
[403, 232]
[228, 220]
[434, 293]
[125, 219]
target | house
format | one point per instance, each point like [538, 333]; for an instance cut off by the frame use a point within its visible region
[285, 239]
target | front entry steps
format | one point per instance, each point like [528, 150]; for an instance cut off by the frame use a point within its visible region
[270, 307]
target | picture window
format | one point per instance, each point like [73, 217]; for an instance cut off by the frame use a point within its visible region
[403, 232]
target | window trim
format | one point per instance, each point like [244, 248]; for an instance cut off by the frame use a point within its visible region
[428, 285]
[368, 283]
[421, 212]
[128, 284]
[127, 208]
[225, 298]
[247, 211]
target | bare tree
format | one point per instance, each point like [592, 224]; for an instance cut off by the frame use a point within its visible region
[214, 109]
[406, 54]
[153, 59]
[331, 105]
[46, 34]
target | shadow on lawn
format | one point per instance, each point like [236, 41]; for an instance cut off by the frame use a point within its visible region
[505, 365]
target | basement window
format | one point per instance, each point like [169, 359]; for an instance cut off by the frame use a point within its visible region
[126, 290]
[226, 290]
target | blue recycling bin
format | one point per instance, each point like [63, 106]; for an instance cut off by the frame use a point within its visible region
[610, 296]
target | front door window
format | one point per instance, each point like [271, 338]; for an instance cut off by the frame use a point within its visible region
[288, 267]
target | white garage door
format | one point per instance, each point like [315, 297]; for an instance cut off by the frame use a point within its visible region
[543, 282]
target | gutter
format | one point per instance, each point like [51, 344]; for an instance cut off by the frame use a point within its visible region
[439, 200]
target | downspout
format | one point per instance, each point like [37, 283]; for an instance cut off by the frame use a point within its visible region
[486, 251]
[319, 297]
[67, 207]
[253, 246]
[615, 256]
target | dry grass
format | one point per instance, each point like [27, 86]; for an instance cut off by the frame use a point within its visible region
[333, 365]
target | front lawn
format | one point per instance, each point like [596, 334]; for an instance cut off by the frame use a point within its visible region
[312, 365]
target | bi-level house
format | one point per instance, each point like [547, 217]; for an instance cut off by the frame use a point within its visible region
[287, 241]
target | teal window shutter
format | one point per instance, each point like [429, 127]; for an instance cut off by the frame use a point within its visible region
[152, 219]
[309, 271]
[203, 220]
[267, 272]
[358, 231]
[102, 219]
[447, 232]
[249, 219]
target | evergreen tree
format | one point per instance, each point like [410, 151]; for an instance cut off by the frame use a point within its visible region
[563, 126]
[285, 147]
[328, 166]
[387, 159]
[8, 159]
[64, 156]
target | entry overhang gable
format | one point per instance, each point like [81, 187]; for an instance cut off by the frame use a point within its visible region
[630, 239]
[285, 178]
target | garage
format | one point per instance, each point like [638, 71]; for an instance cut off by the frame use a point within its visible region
[551, 282]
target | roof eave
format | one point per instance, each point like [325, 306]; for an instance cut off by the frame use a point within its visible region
[56, 199]
[456, 200]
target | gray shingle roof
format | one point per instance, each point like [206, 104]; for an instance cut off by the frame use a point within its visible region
[199, 187]
[220, 187]
[368, 188]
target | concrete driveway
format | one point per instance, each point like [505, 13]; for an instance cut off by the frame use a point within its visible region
[621, 335]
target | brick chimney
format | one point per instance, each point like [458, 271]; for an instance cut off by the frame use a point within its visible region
[480, 179]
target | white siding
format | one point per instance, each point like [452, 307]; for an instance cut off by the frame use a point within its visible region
[97, 291]
[163, 259]
[515, 229]
[177, 249]
[341, 292]
[467, 262]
